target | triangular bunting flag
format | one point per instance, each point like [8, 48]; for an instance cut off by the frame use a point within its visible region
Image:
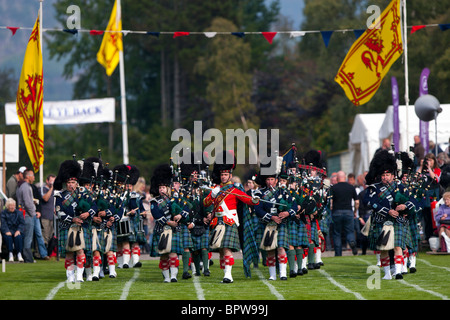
[326, 35]
[96, 32]
[238, 34]
[415, 28]
[210, 34]
[180, 34]
[295, 34]
[13, 29]
[358, 32]
[269, 36]
[444, 26]
[152, 33]
[72, 31]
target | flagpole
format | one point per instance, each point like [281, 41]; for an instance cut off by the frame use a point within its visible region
[405, 50]
[41, 168]
[123, 97]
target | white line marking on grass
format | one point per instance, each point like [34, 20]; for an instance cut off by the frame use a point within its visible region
[342, 287]
[432, 265]
[55, 290]
[126, 288]
[198, 288]
[271, 287]
[443, 297]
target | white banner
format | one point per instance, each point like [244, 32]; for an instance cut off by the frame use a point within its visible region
[11, 148]
[70, 112]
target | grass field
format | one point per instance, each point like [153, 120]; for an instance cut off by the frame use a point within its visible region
[342, 278]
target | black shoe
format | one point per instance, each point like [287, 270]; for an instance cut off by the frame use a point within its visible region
[206, 273]
[412, 270]
[226, 280]
[320, 264]
[95, 279]
[186, 275]
[173, 280]
[292, 274]
[125, 266]
[311, 266]
[299, 272]
[197, 274]
[138, 265]
[283, 278]
[398, 276]
[305, 271]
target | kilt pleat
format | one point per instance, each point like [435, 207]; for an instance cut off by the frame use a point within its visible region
[87, 242]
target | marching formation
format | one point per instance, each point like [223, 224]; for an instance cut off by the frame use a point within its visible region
[281, 220]
[196, 212]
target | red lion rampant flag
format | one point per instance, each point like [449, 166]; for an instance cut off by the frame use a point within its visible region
[29, 100]
[371, 56]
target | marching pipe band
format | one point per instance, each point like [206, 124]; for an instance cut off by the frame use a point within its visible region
[196, 212]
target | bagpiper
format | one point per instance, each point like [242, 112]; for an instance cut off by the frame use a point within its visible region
[390, 202]
[168, 215]
[278, 207]
[74, 210]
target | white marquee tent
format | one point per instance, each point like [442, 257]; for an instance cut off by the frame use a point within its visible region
[387, 128]
[364, 140]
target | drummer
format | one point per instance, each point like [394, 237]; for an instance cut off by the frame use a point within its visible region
[130, 241]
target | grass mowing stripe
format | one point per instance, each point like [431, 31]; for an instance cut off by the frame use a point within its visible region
[55, 290]
[443, 297]
[126, 288]
[342, 287]
[198, 288]
[432, 265]
[271, 287]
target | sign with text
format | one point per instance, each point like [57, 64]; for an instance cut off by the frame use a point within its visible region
[70, 112]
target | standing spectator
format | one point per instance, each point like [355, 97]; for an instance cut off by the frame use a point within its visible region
[419, 150]
[431, 170]
[386, 145]
[12, 227]
[48, 209]
[32, 223]
[432, 148]
[12, 183]
[342, 214]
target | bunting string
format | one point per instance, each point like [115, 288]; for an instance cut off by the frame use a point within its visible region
[269, 36]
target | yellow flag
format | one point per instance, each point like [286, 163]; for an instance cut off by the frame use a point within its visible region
[30, 97]
[108, 55]
[371, 56]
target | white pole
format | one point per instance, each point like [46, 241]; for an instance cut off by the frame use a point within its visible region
[123, 96]
[405, 52]
[41, 169]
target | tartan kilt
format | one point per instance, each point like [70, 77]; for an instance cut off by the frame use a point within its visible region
[402, 236]
[230, 238]
[186, 238]
[414, 232]
[314, 233]
[200, 242]
[176, 243]
[302, 235]
[293, 233]
[87, 242]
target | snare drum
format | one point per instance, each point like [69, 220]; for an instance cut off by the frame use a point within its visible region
[124, 227]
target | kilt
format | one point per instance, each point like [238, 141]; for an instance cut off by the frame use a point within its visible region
[293, 233]
[87, 242]
[186, 238]
[282, 238]
[176, 243]
[230, 238]
[200, 242]
[303, 239]
[402, 236]
[314, 233]
[414, 232]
